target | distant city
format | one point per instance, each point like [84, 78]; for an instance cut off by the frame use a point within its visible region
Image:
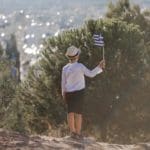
[34, 21]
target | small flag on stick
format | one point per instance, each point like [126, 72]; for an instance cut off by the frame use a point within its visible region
[98, 41]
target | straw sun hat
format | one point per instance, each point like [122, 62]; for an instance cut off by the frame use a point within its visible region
[72, 51]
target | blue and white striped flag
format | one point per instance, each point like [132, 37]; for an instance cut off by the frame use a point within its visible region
[98, 40]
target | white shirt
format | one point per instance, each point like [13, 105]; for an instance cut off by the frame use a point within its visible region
[73, 76]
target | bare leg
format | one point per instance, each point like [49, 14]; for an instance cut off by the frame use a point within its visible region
[78, 123]
[71, 122]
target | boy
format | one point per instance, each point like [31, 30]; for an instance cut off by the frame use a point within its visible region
[73, 85]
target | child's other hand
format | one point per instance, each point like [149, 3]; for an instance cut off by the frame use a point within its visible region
[64, 97]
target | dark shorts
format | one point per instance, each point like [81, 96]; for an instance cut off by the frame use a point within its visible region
[75, 101]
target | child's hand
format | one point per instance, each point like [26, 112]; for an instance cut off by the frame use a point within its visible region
[102, 64]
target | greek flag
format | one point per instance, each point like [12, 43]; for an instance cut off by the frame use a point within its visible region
[98, 40]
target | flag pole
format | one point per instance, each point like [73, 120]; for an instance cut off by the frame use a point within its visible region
[103, 53]
[98, 41]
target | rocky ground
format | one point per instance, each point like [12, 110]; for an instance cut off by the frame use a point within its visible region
[17, 141]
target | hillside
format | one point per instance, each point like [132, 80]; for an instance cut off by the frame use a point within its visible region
[117, 102]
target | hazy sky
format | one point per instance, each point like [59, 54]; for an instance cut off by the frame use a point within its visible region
[10, 5]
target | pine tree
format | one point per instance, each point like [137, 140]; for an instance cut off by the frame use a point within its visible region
[123, 54]
[7, 86]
